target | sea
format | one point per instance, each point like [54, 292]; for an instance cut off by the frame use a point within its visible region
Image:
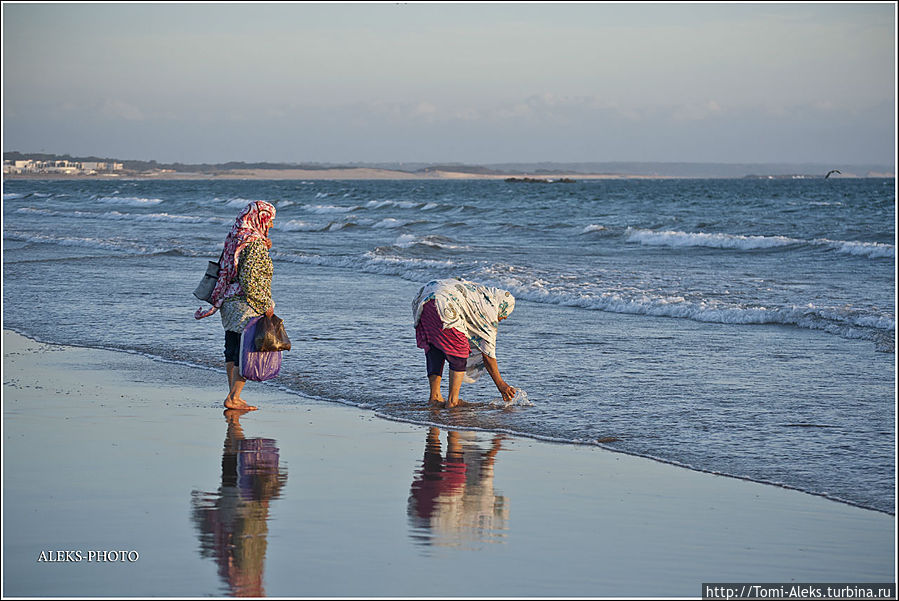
[742, 327]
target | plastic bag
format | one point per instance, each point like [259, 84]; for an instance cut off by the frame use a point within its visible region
[255, 365]
[270, 334]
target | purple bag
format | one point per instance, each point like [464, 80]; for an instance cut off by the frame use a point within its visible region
[257, 366]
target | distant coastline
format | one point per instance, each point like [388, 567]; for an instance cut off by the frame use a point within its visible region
[387, 174]
[359, 173]
[19, 165]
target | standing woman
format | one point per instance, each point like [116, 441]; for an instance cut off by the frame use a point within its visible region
[455, 319]
[244, 288]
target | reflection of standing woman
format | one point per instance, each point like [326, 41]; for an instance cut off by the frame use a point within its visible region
[233, 521]
[244, 288]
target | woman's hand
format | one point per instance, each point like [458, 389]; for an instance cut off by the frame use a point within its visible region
[268, 243]
[493, 369]
[507, 391]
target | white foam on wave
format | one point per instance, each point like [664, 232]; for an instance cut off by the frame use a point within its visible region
[298, 225]
[371, 262]
[842, 321]
[433, 241]
[390, 223]
[117, 216]
[126, 246]
[323, 209]
[677, 239]
[873, 250]
[238, 202]
[13, 195]
[594, 228]
[129, 200]
[400, 204]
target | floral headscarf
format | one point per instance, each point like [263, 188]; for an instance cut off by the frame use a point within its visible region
[473, 309]
[251, 224]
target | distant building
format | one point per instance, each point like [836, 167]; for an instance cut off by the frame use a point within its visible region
[65, 167]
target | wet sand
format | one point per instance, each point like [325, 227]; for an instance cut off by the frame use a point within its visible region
[134, 461]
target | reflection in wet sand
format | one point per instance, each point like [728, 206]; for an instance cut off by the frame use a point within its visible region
[452, 500]
[233, 521]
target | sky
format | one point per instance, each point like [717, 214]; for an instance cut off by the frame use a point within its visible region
[463, 82]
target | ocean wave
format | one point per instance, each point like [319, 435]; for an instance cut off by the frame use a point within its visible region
[431, 241]
[676, 239]
[126, 246]
[236, 202]
[324, 209]
[134, 201]
[685, 239]
[413, 269]
[527, 285]
[298, 225]
[390, 223]
[872, 250]
[846, 322]
[117, 216]
[594, 227]
[399, 204]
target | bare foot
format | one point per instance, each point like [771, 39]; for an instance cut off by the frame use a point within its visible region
[233, 415]
[239, 404]
[438, 402]
[458, 403]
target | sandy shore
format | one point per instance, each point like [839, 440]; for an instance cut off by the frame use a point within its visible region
[133, 460]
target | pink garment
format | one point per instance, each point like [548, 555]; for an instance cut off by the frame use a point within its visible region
[252, 224]
[430, 332]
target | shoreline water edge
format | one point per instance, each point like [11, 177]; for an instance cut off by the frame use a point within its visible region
[736, 327]
[114, 452]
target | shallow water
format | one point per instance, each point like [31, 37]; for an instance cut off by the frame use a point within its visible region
[741, 327]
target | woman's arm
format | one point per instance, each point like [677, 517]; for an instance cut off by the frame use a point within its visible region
[493, 369]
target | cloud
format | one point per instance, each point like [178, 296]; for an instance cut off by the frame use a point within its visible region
[696, 112]
[118, 109]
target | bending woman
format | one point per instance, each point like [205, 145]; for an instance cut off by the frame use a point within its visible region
[244, 288]
[453, 320]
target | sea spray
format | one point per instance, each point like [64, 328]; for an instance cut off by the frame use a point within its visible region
[520, 399]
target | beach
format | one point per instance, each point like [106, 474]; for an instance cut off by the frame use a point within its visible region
[116, 452]
[348, 174]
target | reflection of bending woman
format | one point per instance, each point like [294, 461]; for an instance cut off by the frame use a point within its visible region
[452, 499]
[233, 522]
[454, 319]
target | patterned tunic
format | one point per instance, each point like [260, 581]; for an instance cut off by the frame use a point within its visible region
[254, 271]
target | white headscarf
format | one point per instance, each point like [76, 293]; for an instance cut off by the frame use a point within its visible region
[471, 308]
